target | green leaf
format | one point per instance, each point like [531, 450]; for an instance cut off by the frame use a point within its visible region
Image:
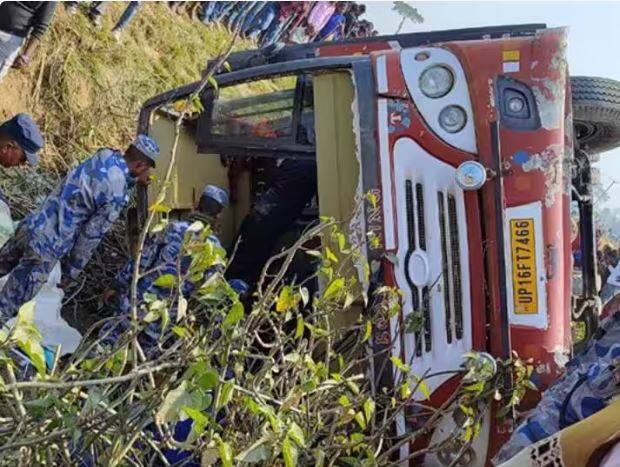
[342, 243]
[296, 434]
[319, 457]
[213, 82]
[289, 452]
[404, 390]
[305, 295]
[196, 104]
[286, 299]
[357, 438]
[170, 408]
[369, 409]
[299, 331]
[234, 315]
[28, 338]
[334, 288]
[160, 207]
[227, 66]
[161, 225]
[354, 388]
[361, 421]
[199, 419]
[179, 331]
[344, 401]
[423, 388]
[352, 461]
[372, 198]
[330, 255]
[317, 332]
[226, 393]
[196, 227]
[314, 253]
[151, 317]
[292, 357]
[208, 379]
[226, 453]
[368, 331]
[258, 453]
[251, 405]
[398, 363]
[166, 281]
[181, 308]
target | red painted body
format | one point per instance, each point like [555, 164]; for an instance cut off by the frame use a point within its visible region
[539, 174]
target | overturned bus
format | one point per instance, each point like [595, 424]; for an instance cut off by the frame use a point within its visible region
[476, 155]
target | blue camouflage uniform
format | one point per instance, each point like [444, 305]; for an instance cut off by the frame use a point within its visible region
[160, 255]
[69, 226]
[592, 378]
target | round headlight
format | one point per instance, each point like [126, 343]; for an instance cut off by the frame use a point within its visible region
[471, 175]
[436, 81]
[452, 118]
[516, 105]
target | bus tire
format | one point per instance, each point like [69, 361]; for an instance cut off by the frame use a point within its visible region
[596, 113]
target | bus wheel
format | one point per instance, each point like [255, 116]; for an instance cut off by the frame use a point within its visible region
[596, 112]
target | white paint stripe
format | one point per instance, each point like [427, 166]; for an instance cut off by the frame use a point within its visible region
[386, 177]
[395, 45]
[382, 80]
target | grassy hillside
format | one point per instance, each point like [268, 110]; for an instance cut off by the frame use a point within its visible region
[85, 89]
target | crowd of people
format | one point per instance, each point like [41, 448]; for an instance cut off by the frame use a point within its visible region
[23, 24]
[290, 22]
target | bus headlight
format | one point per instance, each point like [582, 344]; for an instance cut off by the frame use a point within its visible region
[516, 105]
[437, 81]
[452, 118]
[471, 175]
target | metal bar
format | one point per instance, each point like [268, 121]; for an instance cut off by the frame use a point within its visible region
[501, 252]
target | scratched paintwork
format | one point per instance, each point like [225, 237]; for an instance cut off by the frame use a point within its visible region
[549, 162]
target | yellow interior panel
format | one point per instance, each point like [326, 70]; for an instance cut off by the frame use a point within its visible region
[192, 171]
[337, 162]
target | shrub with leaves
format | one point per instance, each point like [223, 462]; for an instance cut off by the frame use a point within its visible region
[276, 383]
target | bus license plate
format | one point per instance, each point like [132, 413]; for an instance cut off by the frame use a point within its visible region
[524, 274]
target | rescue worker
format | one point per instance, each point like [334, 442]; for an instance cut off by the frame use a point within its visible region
[72, 221]
[160, 256]
[20, 141]
[589, 385]
[291, 186]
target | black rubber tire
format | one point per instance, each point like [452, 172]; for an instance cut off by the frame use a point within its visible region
[596, 112]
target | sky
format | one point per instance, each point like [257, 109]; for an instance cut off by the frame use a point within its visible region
[593, 39]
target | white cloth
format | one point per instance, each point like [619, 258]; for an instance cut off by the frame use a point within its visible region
[9, 48]
[48, 302]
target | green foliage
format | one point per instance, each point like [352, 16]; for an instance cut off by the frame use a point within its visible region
[27, 337]
[293, 387]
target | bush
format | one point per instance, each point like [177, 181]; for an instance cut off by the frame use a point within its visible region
[276, 384]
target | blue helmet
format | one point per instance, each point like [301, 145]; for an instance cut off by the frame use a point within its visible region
[216, 193]
[147, 146]
[25, 132]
